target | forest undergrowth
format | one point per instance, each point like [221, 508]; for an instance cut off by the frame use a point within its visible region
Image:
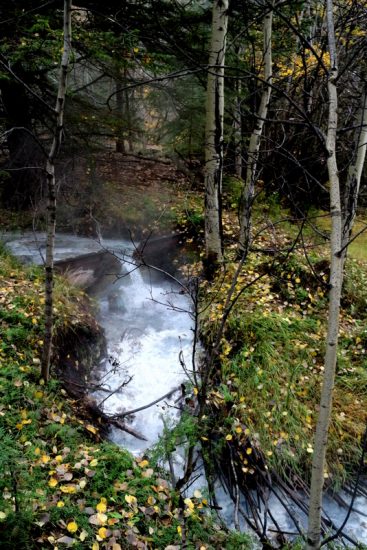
[61, 484]
[263, 400]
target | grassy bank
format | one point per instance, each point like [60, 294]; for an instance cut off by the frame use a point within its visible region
[60, 484]
[270, 364]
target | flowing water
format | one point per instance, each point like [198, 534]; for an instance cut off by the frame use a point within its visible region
[148, 329]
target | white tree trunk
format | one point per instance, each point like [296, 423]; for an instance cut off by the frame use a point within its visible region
[355, 172]
[254, 146]
[51, 190]
[214, 135]
[237, 132]
[336, 281]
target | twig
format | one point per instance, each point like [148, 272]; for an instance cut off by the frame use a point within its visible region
[133, 411]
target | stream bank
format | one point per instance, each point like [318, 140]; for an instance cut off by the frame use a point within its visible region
[60, 486]
[137, 325]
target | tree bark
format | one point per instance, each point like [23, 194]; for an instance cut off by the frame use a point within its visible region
[120, 142]
[237, 124]
[336, 281]
[355, 171]
[214, 136]
[254, 146]
[51, 189]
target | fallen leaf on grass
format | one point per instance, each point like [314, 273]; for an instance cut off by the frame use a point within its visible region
[98, 519]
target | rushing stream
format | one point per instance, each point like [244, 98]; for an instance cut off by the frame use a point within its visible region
[149, 333]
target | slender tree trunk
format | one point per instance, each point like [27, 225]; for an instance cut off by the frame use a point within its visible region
[214, 136]
[129, 119]
[237, 124]
[355, 171]
[237, 134]
[120, 145]
[254, 146]
[336, 281]
[51, 188]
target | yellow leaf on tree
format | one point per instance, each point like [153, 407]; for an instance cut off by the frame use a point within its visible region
[144, 463]
[72, 527]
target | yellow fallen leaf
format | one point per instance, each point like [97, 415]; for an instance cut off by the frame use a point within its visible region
[60, 504]
[91, 428]
[102, 532]
[229, 437]
[130, 499]
[52, 482]
[189, 503]
[72, 527]
[98, 519]
[83, 535]
[102, 505]
[248, 451]
[93, 462]
[95, 546]
[69, 489]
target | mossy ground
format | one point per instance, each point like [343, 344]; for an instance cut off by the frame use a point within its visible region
[60, 485]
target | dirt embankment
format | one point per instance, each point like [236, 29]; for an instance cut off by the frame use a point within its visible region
[118, 195]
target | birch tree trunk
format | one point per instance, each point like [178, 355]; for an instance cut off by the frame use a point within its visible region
[237, 132]
[336, 280]
[51, 190]
[214, 136]
[254, 146]
[237, 123]
[355, 171]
